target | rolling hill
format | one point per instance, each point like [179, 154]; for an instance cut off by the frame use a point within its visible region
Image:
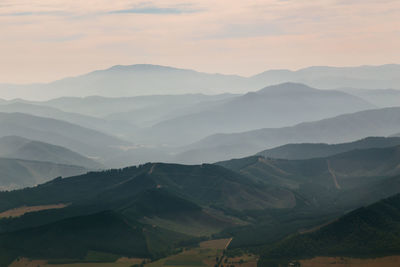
[325, 188]
[343, 128]
[159, 206]
[17, 173]
[321, 180]
[154, 206]
[310, 150]
[275, 106]
[367, 232]
[85, 141]
[111, 127]
[21, 148]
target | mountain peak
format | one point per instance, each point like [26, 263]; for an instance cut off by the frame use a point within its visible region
[287, 87]
[141, 67]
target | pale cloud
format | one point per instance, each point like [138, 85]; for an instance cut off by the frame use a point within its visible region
[42, 40]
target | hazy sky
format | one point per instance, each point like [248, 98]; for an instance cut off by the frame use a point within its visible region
[43, 40]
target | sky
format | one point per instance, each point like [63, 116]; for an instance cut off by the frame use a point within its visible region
[45, 40]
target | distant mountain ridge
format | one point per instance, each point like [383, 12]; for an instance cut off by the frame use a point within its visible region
[107, 126]
[324, 77]
[273, 106]
[146, 79]
[85, 141]
[339, 129]
[19, 173]
[21, 148]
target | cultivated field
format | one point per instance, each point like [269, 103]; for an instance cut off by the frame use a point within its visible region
[392, 261]
[123, 262]
[216, 244]
[26, 209]
[208, 254]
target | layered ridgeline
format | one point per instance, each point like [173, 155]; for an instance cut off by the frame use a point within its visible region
[111, 127]
[143, 79]
[18, 173]
[157, 208]
[378, 97]
[16, 147]
[343, 128]
[25, 162]
[140, 110]
[83, 140]
[181, 119]
[311, 150]
[368, 232]
[275, 106]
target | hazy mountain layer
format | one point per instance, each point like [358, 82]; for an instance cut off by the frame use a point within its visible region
[276, 106]
[82, 140]
[18, 173]
[343, 128]
[22, 148]
[367, 77]
[378, 97]
[110, 127]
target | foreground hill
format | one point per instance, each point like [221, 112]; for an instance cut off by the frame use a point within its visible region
[317, 178]
[310, 150]
[274, 106]
[161, 207]
[82, 140]
[367, 232]
[154, 206]
[17, 173]
[343, 128]
[325, 188]
[21, 148]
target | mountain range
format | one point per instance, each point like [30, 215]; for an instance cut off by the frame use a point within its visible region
[274, 106]
[145, 79]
